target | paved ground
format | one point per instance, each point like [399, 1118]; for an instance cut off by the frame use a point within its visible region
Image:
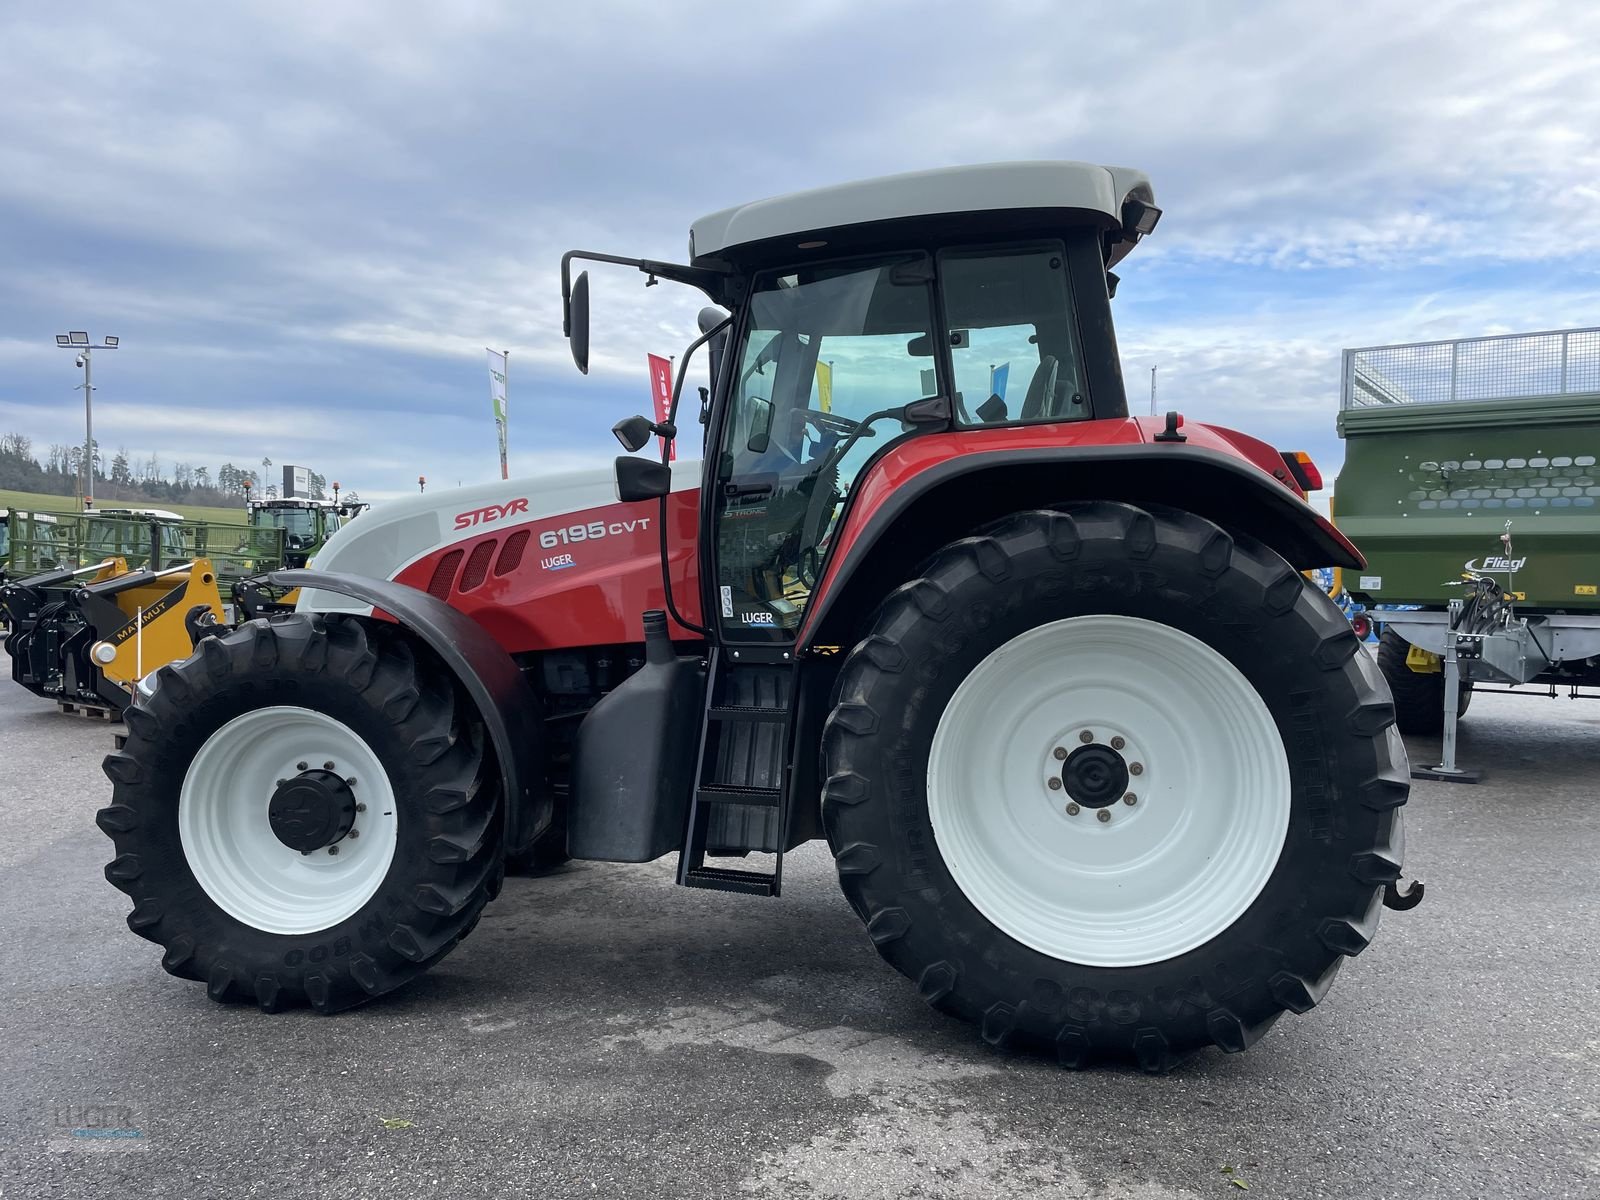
[604, 1033]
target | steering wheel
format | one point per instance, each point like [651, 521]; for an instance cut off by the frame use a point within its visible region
[828, 422]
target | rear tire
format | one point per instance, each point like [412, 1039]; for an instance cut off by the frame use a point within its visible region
[255, 918]
[1043, 928]
[1418, 696]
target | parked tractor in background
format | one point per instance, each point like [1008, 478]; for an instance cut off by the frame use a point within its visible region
[1470, 481]
[1101, 771]
[307, 524]
[30, 542]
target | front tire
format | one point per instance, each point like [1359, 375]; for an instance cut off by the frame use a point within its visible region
[303, 813]
[1219, 689]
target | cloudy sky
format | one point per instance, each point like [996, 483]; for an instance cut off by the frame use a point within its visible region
[306, 220]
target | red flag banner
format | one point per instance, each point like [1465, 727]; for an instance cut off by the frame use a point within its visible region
[661, 392]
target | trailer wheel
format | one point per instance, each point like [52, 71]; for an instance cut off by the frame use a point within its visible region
[1112, 781]
[304, 813]
[1418, 696]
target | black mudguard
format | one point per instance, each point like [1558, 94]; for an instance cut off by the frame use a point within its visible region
[490, 677]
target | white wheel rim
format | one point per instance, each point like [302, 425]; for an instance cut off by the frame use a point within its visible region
[1156, 878]
[230, 845]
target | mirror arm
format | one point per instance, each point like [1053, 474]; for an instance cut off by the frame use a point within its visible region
[712, 283]
[683, 371]
[666, 460]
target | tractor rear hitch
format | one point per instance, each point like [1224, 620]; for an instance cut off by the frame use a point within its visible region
[1400, 901]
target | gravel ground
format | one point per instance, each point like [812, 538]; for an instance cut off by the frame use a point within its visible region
[606, 1033]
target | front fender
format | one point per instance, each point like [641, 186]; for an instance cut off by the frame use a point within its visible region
[489, 676]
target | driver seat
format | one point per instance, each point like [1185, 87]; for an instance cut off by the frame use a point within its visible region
[1041, 389]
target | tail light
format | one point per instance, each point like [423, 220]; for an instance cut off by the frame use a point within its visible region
[1303, 469]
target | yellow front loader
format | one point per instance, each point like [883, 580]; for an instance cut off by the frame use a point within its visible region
[89, 644]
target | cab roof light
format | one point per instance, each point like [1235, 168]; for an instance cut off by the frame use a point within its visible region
[1139, 218]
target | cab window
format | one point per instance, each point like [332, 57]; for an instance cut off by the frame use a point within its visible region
[1013, 345]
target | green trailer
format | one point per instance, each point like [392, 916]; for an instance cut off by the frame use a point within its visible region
[1471, 482]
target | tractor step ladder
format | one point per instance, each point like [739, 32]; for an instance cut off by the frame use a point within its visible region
[740, 789]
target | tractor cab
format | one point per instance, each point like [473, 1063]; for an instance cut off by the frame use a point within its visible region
[956, 301]
[306, 524]
[143, 537]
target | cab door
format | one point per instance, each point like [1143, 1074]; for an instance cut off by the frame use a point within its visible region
[830, 357]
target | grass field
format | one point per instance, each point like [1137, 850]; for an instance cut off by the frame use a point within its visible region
[39, 502]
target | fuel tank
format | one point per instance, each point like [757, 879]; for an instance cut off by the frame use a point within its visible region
[541, 563]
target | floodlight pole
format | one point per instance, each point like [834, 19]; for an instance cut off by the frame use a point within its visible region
[88, 434]
[84, 345]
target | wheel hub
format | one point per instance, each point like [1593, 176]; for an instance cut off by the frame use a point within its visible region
[1095, 776]
[314, 809]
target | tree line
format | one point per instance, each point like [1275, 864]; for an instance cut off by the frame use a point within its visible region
[59, 472]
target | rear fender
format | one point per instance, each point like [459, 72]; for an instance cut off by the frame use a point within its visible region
[489, 676]
[893, 525]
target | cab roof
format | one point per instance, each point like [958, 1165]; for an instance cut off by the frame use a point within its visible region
[925, 197]
[159, 514]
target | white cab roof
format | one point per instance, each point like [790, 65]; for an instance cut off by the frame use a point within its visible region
[159, 514]
[1012, 185]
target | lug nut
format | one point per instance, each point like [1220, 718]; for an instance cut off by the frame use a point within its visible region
[1130, 799]
[1060, 753]
[1072, 810]
[300, 766]
[327, 766]
[355, 833]
[351, 782]
[1053, 784]
[361, 808]
[333, 849]
[1117, 743]
[1135, 768]
[281, 782]
[1086, 736]
[1103, 815]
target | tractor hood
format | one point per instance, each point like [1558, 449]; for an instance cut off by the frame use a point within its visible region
[397, 533]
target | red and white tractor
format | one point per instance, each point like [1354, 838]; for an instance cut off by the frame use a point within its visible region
[1101, 770]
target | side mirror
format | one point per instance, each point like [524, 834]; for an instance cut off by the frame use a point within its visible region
[578, 339]
[634, 432]
[642, 479]
[760, 425]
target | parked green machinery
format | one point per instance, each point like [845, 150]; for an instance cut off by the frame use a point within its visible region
[30, 542]
[306, 524]
[1471, 484]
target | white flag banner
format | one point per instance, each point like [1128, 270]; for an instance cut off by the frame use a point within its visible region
[497, 395]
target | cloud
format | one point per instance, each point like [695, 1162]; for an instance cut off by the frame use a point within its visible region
[307, 222]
